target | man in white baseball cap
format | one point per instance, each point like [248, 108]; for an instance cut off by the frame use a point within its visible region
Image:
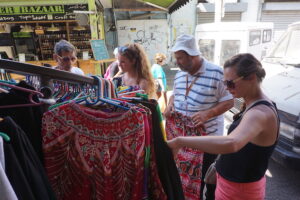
[200, 94]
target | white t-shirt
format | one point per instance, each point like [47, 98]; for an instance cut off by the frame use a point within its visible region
[74, 70]
[77, 70]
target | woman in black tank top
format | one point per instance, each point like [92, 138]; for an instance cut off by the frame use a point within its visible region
[251, 138]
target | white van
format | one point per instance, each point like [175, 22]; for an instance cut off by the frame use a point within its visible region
[282, 85]
[220, 41]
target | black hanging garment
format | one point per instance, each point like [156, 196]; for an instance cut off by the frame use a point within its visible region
[23, 168]
[28, 118]
[166, 166]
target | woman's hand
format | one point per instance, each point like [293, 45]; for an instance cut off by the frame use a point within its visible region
[174, 145]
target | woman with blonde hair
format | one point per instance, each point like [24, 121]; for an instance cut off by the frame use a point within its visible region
[160, 76]
[136, 69]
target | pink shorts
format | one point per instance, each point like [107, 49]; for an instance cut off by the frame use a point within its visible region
[228, 190]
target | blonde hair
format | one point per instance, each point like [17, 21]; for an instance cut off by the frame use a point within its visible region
[159, 58]
[142, 65]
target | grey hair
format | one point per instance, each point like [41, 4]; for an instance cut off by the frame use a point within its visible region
[64, 45]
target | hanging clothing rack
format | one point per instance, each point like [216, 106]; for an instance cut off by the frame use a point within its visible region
[46, 74]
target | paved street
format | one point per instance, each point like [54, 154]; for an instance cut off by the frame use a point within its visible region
[282, 183]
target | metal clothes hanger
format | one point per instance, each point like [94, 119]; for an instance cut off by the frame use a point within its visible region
[8, 82]
[3, 90]
[31, 93]
[5, 136]
[100, 95]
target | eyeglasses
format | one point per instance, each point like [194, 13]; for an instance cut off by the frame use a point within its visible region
[67, 58]
[231, 83]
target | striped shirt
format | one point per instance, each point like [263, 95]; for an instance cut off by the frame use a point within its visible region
[207, 91]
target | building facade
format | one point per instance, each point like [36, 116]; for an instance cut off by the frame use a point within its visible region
[280, 12]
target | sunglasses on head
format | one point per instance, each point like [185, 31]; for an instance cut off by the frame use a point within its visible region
[231, 83]
[122, 49]
[67, 58]
[128, 52]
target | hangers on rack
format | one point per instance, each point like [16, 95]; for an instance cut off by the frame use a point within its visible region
[69, 92]
[99, 97]
[5, 136]
[110, 94]
[8, 82]
[4, 75]
[131, 94]
[33, 81]
[76, 100]
[112, 89]
[3, 90]
[64, 91]
[143, 96]
[129, 88]
[31, 93]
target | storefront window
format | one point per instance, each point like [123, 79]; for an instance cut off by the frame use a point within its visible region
[254, 37]
[267, 35]
[229, 48]
[207, 48]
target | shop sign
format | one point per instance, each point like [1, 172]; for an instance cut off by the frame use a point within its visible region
[40, 13]
[99, 49]
[21, 34]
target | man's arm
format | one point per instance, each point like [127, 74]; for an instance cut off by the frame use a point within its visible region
[225, 102]
[170, 107]
[204, 115]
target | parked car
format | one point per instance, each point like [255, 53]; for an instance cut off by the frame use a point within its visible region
[282, 85]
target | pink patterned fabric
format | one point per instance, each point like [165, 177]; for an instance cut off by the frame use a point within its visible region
[89, 157]
[189, 161]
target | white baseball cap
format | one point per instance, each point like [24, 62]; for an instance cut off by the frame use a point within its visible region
[186, 43]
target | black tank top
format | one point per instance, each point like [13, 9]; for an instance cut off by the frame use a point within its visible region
[250, 163]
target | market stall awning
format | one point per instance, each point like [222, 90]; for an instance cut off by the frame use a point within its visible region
[168, 5]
